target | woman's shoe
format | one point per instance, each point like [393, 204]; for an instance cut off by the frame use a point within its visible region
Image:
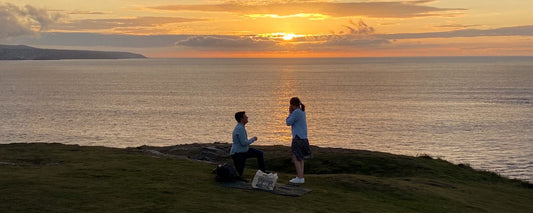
[297, 180]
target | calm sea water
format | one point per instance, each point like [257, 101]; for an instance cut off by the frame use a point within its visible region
[475, 110]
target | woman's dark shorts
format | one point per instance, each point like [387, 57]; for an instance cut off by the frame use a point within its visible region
[300, 148]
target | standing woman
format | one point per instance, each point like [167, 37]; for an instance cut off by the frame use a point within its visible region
[300, 144]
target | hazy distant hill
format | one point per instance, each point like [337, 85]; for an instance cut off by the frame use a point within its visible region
[22, 52]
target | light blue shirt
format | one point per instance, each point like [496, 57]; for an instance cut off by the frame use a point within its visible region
[298, 123]
[241, 143]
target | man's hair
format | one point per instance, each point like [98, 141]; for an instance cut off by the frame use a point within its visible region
[239, 116]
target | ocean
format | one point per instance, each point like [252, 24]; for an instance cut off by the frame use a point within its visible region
[471, 110]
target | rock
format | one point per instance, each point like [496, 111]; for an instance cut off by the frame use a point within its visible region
[8, 163]
[213, 153]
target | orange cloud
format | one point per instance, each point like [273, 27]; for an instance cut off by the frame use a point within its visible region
[504, 31]
[406, 9]
[80, 12]
[140, 25]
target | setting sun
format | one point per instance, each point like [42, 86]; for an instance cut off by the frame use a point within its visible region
[288, 37]
[281, 36]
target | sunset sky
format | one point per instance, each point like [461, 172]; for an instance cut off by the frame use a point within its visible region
[278, 28]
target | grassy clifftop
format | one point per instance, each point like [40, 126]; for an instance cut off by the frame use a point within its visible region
[67, 178]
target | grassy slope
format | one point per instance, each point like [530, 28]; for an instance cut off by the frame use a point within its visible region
[61, 178]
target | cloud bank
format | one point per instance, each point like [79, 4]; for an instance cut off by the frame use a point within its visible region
[17, 21]
[227, 42]
[504, 31]
[355, 35]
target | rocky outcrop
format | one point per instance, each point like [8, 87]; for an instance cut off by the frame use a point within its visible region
[213, 153]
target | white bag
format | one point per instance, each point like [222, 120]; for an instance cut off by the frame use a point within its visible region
[264, 181]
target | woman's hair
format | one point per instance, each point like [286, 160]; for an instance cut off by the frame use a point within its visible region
[295, 101]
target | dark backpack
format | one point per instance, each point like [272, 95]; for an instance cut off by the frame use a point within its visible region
[225, 173]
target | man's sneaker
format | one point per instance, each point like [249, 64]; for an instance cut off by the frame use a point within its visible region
[297, 180]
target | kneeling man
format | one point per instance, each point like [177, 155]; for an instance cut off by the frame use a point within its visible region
[240, 149]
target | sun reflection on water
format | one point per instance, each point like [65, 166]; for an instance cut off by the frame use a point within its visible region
[282, 94]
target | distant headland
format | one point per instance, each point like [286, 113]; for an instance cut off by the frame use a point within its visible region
[23, 52]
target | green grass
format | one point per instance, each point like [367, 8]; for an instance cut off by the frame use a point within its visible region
[66, 178]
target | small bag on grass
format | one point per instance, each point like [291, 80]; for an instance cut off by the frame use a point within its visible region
[225, 173]
[264, 181]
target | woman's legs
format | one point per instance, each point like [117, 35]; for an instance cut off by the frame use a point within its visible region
[302, 169]
[299, 165]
